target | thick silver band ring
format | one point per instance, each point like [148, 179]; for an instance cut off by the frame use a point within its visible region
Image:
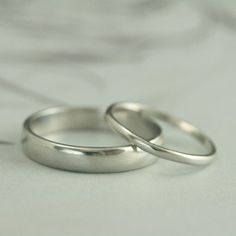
[117, 109]
[79, 158]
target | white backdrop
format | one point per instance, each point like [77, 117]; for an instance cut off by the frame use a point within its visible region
[176, 56]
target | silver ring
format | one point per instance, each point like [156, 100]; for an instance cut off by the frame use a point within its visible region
[39, 148]
[113, 119]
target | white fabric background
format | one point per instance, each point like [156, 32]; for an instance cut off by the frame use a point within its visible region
[176, 56]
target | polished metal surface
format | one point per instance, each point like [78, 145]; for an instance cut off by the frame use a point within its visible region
[114, 117]
[39, 148]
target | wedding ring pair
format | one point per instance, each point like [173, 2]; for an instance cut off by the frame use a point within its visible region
[137, 123]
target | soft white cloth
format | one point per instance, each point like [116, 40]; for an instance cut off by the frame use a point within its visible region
[178, 57]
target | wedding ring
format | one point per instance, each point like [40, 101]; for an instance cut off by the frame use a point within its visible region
[38, 147]
[118, 109]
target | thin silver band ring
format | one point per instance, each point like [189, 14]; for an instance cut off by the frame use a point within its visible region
[144, 111]
[78, 158]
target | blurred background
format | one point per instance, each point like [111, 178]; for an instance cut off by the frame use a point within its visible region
[94, 52]
[178, 56]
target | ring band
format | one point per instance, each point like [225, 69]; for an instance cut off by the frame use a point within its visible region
[79, 158]
[155, 149]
